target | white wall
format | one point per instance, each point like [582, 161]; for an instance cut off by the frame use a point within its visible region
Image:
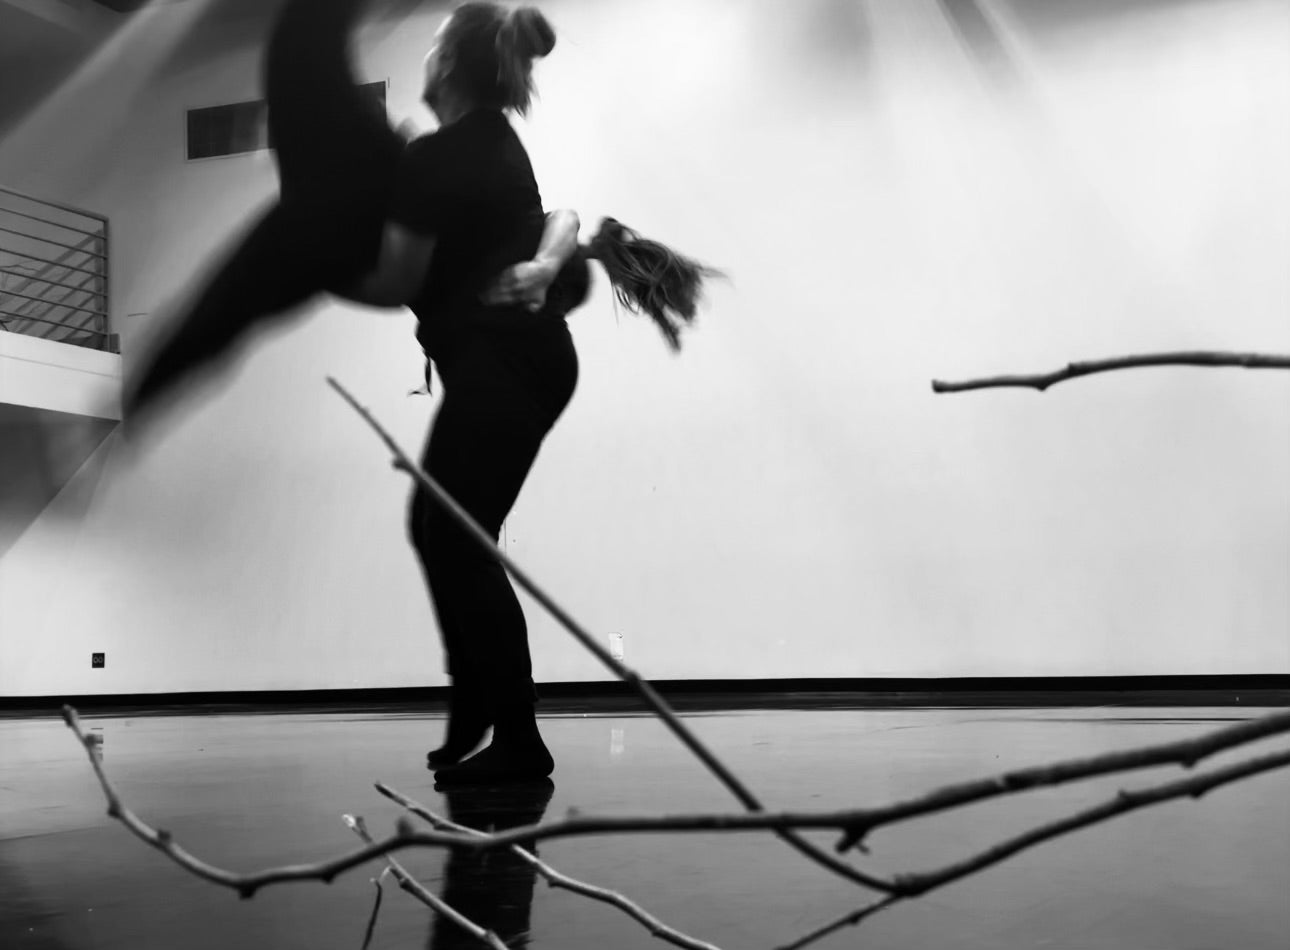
[787, 498]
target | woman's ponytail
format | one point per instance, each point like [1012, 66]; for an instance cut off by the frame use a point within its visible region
[524, 35]
[650, 278]
[532, 34]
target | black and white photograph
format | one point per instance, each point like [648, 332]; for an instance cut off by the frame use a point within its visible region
[614, 474]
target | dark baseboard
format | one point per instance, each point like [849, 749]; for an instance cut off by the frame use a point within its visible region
[1260, 689]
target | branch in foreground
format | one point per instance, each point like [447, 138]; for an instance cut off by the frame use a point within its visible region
[248, 884]
[1042, 381]
[847, 920]
[647, 692]
[655, 926]
[1125, 801]
[161, 840]
[860, 821]
[376, 908]
[414, 887]
[915, 885]
[1186, 753]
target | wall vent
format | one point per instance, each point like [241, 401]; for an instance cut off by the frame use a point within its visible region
[241, 127]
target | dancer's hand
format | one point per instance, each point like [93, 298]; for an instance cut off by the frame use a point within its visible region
[525, 284]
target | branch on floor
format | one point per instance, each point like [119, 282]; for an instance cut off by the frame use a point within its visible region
[1186, 753]
[410, 884]
[247, 884]
[655, 926]
[1042, 381]
[857, 822]
[850, 919]
[854, 823]
[915, 885]
[376, 907]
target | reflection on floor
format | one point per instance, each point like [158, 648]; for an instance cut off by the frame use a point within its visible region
[251, 791]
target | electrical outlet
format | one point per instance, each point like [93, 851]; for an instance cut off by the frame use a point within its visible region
[98, 660]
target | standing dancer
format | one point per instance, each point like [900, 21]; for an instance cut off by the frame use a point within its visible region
[337, 159]
[467, 201]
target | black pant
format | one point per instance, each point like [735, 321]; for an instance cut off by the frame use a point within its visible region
[329, 138]
[503, 391]
[336, 156]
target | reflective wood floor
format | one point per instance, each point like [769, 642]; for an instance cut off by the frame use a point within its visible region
[248, 791]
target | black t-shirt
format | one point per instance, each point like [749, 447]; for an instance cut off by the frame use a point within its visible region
[471, 186]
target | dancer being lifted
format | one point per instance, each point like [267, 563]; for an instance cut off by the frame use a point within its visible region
[337, 159]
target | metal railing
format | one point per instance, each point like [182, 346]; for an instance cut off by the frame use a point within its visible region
[54, 272]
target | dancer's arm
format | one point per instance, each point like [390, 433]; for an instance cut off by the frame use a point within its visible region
[527, 282]
[405, 259]
[400, 269]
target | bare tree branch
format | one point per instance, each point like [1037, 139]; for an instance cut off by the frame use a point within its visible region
[860, 821]
[655, 926]
[849, 919]
[247, 884]
[1125, 801]
[1042, 381]
[376, 908]
[161, 840]
[417, 890]
[647, 692]
[1186, 753]
[915, 885]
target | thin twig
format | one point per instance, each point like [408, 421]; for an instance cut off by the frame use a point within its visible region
[650, 695]
[850, 919]
[1042, 381]
[417, 890]
[915, 885]
[376, 907]
[655, 926]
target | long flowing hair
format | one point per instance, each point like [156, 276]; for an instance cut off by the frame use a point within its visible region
[650, 278]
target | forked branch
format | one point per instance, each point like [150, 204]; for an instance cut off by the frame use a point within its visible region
[915, 885]
[655, 926]
[853, 821]
[414, 887]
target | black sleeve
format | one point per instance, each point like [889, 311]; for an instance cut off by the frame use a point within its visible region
[425, 196]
